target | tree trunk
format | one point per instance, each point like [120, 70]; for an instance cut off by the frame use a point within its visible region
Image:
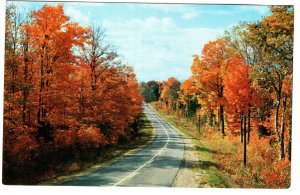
[222, 120]
[290, 140]
[25, 88]
[241, 122]
[277, 106]
[249, 120]
[282, 127]
[245, 143]
[40, 110]
[281, 142]
[82, 98]
[199, 124]
[93, 77]
[290, 144]
[25, 92]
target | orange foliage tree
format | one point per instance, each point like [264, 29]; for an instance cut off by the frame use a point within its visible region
[247, 75]
[52, 38]
[208, 73]
[188, 98]
[169, 92]
[66, 93]
[242, 97]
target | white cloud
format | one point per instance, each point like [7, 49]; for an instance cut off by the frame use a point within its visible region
[220, 12]
[166, 7]
[190, 15]
[259, 9]
[77, 15]
[186, 12]
[157, 47]
[262, 10]
[95, 4]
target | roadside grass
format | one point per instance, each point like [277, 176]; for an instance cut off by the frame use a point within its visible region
[205, 151]
[144, 135]
[145, 132]
[113, 153]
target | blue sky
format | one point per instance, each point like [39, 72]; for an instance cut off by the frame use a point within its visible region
[159, 40]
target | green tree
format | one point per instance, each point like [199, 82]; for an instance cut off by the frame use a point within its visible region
[150, 91]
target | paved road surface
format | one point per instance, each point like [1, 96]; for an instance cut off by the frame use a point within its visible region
[155, 165]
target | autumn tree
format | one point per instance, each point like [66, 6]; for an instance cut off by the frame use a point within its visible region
[108, 89]
[12, 62]
[238, 42]
[208, 72]
[273, 37]
[242, 97]
[66, 94]
[27, 78]
[188, 97]
[247, 75]
[53, 38]
[99, 56]
[169, 93]
[238, 90]
[18, 141]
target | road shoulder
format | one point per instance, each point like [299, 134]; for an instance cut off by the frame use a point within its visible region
[188, 175]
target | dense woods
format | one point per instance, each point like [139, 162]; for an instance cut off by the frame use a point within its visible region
[240, 90]
[67, 94]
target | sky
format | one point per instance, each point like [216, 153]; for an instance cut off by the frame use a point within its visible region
[158, 40]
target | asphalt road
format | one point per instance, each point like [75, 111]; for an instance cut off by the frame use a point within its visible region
[156, 165]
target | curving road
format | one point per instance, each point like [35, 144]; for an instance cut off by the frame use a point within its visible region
[155, 165]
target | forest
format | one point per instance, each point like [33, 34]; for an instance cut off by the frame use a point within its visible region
[239, 99]
[67, 94]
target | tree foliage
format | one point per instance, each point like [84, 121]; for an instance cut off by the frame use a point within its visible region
[169, 92]
[150, 91]
[244, 78]
[273, 38]
[67, 95]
